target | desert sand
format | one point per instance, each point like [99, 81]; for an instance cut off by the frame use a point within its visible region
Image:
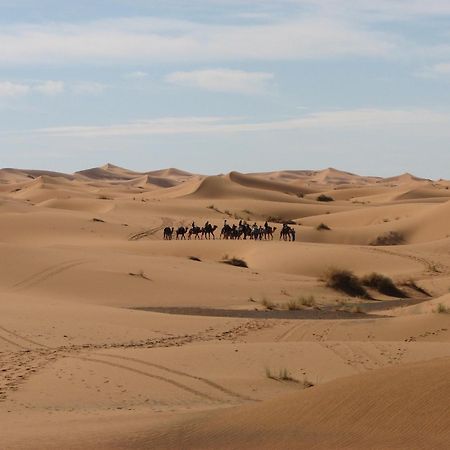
[113, 338]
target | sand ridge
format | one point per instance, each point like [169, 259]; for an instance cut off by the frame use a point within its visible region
[111, 337]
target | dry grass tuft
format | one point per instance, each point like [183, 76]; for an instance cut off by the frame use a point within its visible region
[268, 304]
[140, 274]
[195, 258]
[442, 309]
[236, 262]
[322, 226]
[324, 198]
[390, 238]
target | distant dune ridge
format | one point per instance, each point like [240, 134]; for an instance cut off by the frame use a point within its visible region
[113, 338]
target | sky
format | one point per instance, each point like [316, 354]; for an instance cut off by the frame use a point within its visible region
[212, 86]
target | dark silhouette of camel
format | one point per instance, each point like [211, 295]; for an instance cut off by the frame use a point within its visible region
[208, 231]
[181, 232]
[196, 232]
[268, 232]
[168, 233]
[287, 233]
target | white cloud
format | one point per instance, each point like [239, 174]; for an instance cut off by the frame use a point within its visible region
[356, 119]
[88, 88]
[50, 87]
[146, 40]
[436, 71]
[10, 89]
[223, 80]
[138, 75]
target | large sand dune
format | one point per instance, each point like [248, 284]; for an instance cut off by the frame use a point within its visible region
[113, 338]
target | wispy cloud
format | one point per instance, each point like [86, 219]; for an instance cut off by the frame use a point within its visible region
[439, 70]
[146, 40]
[88, 88]
[223, 80]
[137, 75]
[357, 119]
[10, 89]
[50, 87]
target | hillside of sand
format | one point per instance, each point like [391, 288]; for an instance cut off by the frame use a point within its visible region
[112, 337]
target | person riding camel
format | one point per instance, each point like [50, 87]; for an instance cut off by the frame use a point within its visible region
[266, 225]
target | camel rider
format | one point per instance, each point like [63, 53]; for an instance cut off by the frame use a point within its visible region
[240, 223]
[207, 224]
[266, 225]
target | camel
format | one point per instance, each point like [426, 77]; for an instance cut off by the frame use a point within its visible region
[168, 233]
[196, 232]
[208, 231]
[268, 232]
[181, 231]
[287, 233]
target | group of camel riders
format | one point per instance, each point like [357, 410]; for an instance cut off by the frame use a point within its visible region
[242, 230]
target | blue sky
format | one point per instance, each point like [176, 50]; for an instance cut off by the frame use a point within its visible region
[219, 85]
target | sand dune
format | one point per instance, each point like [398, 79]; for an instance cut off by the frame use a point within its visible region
[113, 338]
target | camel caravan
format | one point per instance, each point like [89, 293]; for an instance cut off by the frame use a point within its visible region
[240, 231]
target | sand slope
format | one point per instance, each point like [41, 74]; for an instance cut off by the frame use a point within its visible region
[113, 338]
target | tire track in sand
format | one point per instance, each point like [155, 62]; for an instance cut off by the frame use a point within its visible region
[180, 373]
[47, 273]
[156, 377]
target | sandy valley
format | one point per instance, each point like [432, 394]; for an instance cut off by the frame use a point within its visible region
[112, 337]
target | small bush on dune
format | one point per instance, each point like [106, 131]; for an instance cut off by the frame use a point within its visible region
[195, 258]
[236, 262]
[345, 281]
[391, 238]
[413, 285]
[268, 304]
[285, 375]
[323, 226]
[382, 284]
[442, 309]
[324, 198]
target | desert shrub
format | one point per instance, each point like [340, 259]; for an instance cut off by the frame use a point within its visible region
[195, 258]
[382, 284]
[294, 305]
[345, 281]
[324, 198]
[442, 309]
[268, 304]
[356, 309]
[308, 301]
[413, 285]
[322, 226]
[235, 262]
[390, 238]
[277, 219]
[95, 219]
[214, 208]
[283, 375]
[140, 274]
